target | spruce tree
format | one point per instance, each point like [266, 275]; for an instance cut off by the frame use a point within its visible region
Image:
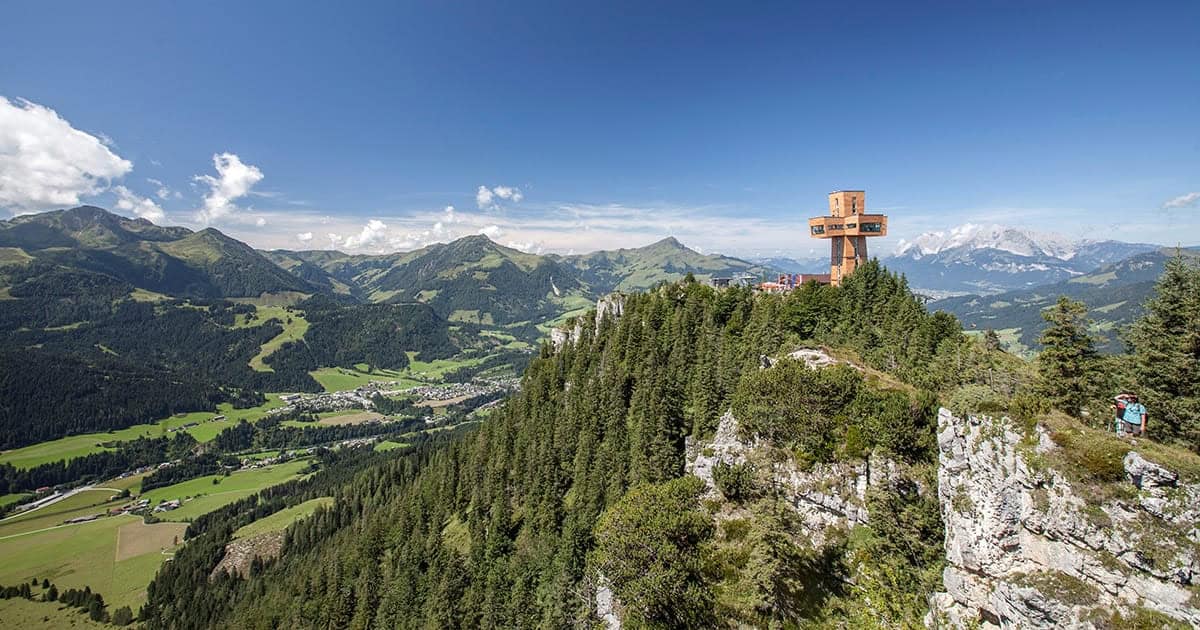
[1165, 344]
[1068, 357]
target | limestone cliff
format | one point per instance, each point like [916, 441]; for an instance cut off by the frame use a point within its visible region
[610, 306]
[1028, 547]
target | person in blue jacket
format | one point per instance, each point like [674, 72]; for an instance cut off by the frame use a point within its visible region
[1133, 422]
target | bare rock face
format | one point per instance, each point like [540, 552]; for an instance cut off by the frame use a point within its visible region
[814, 358]
[1024, 550]
[607, 605]
[609, 306]
[726, 447]
[826, 497]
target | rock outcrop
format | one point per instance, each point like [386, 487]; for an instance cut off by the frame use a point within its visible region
[609, 306]
[1025, 550]
[240, 553]
[826, 496]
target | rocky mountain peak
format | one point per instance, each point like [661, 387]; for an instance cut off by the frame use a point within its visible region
[971, 236]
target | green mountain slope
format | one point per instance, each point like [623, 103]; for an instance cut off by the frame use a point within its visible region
[667, 260]
[471, 280]
[170, 260]
[1114, 295]
[510, 526]
[476, 280]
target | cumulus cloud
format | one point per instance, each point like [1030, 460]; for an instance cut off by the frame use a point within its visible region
[1183, 201]
[486, 198]
[142, 207]
[372, 235]
[304, 237]
[483, 197]
[492, 231]
[233, 181]
[260, 221]
[505, 192]
[47, 163]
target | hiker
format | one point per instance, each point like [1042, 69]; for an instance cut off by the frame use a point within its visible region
[1119, 403]
[1134, 419]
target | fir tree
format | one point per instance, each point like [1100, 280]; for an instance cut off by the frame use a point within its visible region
[1166, 353]
[1067, 361]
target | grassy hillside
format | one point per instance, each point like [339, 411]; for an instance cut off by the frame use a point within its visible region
[667, 260]
[169, 260]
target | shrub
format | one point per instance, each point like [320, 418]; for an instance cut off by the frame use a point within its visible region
[973, 399]
[735, 481]
[1096, 456]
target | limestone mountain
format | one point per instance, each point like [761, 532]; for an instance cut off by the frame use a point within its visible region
[985, 259]
[171, 260]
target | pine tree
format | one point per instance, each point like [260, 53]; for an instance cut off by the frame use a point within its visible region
[1166, 353]
[1068, 358]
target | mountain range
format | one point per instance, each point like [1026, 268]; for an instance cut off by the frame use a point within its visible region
[1114, 295]
[996, 277]
[985, 259]
[472, 279]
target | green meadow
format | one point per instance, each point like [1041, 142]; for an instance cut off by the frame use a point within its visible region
[294, 327]
[80, 445]
[281, 519]
[118, 555]
[201, 495]
[22, 613]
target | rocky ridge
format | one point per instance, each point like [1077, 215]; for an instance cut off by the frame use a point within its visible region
[1024, 549]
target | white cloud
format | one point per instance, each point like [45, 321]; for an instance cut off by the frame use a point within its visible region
[492, 231]
[260, 221]
[142, 207]
[234, 180]
[527, 246]
[46, 163]
[162, 191]
[483, 197]
[505, 192]
[486, 198]
[1183, 201]
[304, 237]
[372, 235]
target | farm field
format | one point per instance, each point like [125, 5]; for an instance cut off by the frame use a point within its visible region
[388, 445]
[281, 519]
[438, 368]
[12, 498]
[118, 555]
[89, 554]
[84, 503]
[336, 379]
[80, 445]
[352, 416]
[201, 495]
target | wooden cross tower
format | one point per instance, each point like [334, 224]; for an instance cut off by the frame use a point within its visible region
[848, 228]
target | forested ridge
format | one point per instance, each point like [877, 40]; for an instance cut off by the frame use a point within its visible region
[500, 529]
[80, 356]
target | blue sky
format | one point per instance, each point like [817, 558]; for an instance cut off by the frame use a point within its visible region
[596, 125]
